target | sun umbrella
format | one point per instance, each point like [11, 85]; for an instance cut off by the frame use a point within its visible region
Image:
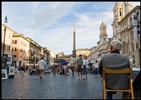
[60, 60]
[64, 63]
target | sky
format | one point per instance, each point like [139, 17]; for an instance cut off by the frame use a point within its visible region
[51, 24]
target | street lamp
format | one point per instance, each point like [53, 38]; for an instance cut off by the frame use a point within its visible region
[4, 58]
[4, 39]
[35, 57]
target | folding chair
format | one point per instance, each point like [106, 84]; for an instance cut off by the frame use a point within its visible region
[118, 71]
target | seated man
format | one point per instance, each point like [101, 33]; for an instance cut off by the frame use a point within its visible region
[65, 68]
[33, 70]
[115, 60]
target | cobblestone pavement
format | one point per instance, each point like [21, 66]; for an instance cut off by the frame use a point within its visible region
[53, 87]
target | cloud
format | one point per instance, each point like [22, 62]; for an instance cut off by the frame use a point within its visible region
[135, 3]
[58, 39]
[50, 13]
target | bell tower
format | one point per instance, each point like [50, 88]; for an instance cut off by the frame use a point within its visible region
[118, 13]
[103, 33]
[127, 7]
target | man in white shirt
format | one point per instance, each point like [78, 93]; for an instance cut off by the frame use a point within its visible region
[42, 66]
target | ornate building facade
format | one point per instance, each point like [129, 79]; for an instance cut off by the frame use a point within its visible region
[124, 30]
[61, 55]
[83, 52]
[126, 27]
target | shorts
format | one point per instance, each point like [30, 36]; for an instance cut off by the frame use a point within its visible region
[23, 69]
[79, 69]
[41, 70]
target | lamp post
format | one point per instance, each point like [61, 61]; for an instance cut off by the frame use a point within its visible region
[4, 58]
[4, 39]
[35, 56]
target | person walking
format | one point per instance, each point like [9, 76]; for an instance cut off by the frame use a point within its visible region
[42, 66]
[23, 69]
[96, 65]
[85, 65]
[72, 64]
[115, 60]
[79, 66]
[54, 66]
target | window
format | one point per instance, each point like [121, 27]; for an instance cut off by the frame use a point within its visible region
[8, 48]
[132, 45]
[5, 46]
[15, 41]
[120, 11]
[21, 50]
[14, 56]
[131, 35]
[15, 49]
[135, 17]
[127, 48]
[12, 41]
[130, 20]
[136, 45]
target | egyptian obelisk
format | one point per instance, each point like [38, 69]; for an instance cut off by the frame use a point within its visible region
[74, 42]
